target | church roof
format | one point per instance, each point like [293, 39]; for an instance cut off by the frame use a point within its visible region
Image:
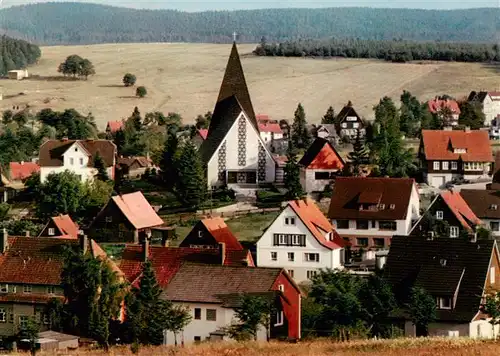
[234, 84]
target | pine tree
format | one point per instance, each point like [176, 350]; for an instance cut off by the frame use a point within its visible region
[301, 138]
[102, 174]
[168, 167]
[292, 175]
[359, 155]
[136, 119]
[190, 185]
[329, 117]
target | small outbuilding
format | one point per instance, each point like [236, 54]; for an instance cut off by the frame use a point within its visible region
[18, 74]
[52, 340]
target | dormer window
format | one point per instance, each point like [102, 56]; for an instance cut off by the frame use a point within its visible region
[444, 303]
[392, 206]
[494, 207]
[200, 234]
[459, 150]
[381, 206]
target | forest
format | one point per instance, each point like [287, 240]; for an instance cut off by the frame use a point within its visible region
[395, 51]
[79, 23]
[16, 54]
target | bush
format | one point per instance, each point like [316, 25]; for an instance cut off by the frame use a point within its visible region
[141, 92]
[129, 79]
[224, 194]
[266, 198]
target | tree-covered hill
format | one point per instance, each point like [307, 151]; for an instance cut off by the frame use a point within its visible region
[16, 54]
[79, 23]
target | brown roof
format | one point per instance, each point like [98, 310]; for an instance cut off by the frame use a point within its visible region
[221, 233]
[234, 83]
[137, 210]
[484, 203]
[66, 225]
[210, 282]
[440, 145]
[347, 110]
[350, 192]
[37, 260]
[51, 152]
[141, 160]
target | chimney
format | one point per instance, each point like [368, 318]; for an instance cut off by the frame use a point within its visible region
[84, 242]
[448, 128]
[467, 128]
[222, 252]
[145, 249]
[27, 233]
[22, 162]
[4, 244]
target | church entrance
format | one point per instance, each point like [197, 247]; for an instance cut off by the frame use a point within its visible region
[242, 177]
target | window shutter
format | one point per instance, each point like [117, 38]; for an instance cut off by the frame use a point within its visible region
[276, 240]
[303, 240]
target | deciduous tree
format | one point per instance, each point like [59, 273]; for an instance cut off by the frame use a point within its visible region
[471, 115]
[141, 92]
[422, 310]
[129, 79]
[252, 313]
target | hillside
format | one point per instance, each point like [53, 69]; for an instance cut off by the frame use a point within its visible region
[185, 78]
[79, 23]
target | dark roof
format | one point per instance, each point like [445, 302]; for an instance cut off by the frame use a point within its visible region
[225, 114]
[234, 83]
[210, 282]
[221, 233]
[481, 202]
[313, 152]
[477, 96]
[141, 160]
[438, 265]
[332, 130]
[51, 152]
[350, 192]
[347, 110]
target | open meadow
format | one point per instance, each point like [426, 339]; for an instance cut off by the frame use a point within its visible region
[185, 78]
[399, 347]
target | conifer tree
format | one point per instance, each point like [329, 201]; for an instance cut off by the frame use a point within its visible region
[102, 174]
[301, 138]
[359, 155]
[136, 119]
[292, 174]
[329, 117]
[168, 167]
[191, 185]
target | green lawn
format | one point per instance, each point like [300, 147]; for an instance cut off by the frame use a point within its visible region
[250, 227]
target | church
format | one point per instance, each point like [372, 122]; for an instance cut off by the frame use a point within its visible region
[233, 151]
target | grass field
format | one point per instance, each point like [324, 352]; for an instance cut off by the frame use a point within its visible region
[185, 78]
[403, 347]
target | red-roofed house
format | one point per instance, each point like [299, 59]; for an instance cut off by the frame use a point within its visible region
[200, 136]
[124, 218]
[30, 276]
[301, 240]
[209, 233]
[447, 155]
[61, 226]
[319, 165]
[448, 215]
[19, 171]
[270, 131]
[447, 109]
[114, 126]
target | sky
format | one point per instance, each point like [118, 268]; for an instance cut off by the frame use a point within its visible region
[203, 5]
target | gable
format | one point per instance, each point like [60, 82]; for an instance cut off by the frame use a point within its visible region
[348, 112]
[423, 224]
[193, 239]
[327, 158]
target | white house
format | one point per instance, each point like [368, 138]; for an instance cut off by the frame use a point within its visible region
[77, 156]
[302, 241]
[269, 132]
[490, 103]
[233, 152]
[369, 211]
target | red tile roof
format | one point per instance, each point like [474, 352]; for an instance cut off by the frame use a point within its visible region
[37, 260]
[270, 127]
[221, 233]
[440, 145]
[22, 170]
[321, 155]
[437, 105]
[460, 209]
[309, 213]
[348, 191]
[137, 210]
[66, 225]
[203, 133]
[262, 117]
[167, 260]
[114, 126]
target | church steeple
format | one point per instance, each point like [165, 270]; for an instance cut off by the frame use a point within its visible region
[234, 84]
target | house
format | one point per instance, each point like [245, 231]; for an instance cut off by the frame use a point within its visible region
[61, 226]
[456, 272]
[367, 212]
[448, 215]
[485, 204]
[20, 171]
[349, 123]
[328, 132]
[490, 103]
[270, 132]
[302, 241]
[320, 164]
[134, 166]
[18, 74]
[494, 129]
[125, 218]
[448, 155]
[219, 290]
[30, 276]
[199, 137]
[234, 152]
[76, 156]
[447, 109]
[113, 127]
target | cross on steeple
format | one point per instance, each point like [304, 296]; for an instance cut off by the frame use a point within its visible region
[234, 36]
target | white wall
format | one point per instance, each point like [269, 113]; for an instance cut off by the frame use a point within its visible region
[327, 258]
[401, 229]
[76, 160]
[252, 154]
[413, 212]
[203, 327]
[310, 184]
[486, 224]
[491, 109]
[480, 329]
